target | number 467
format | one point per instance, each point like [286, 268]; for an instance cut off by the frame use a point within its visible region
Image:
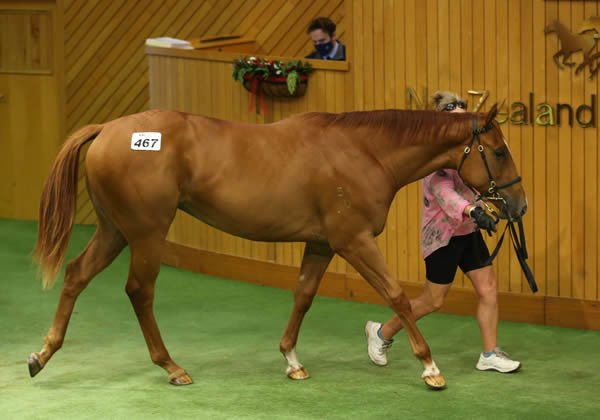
[145, 143]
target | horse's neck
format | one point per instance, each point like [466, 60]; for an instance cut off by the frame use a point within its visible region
[563, 32]
[411, 162]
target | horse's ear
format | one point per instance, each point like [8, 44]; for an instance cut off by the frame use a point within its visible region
[493, 112]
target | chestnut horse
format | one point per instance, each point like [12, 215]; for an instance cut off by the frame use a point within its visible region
[324, 179]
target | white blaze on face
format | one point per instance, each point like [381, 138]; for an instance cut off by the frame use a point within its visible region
[505, 142]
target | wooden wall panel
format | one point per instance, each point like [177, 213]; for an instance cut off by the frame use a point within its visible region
[392, 45]
[590, 204]
[501, 47]
[538, 214]
[26, 41]
[31, 101]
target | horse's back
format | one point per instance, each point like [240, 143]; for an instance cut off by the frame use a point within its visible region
[247, 179]
[256, 180]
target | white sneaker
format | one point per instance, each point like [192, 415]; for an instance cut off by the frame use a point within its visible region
[499, 361]
[376, 347]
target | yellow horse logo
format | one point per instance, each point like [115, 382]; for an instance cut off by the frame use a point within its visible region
[584, 40]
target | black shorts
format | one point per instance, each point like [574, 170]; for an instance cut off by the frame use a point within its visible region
[469, 252]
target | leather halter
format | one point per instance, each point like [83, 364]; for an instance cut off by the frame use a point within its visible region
[492, 194]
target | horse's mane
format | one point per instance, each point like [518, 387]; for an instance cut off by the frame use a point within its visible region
[416, 126]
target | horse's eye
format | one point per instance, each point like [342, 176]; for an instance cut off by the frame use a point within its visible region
[500, 154]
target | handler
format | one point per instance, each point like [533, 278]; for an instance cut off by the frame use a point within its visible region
[450, 238]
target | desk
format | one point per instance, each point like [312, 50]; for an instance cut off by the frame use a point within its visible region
[200, 82]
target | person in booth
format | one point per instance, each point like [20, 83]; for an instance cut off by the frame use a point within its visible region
[327, 47]
[450, 238]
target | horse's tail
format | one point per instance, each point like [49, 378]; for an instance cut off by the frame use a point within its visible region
[58, 205]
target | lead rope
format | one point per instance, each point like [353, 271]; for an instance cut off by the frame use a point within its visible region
[520, 249]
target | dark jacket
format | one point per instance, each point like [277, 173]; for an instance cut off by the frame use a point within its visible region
[340, 54]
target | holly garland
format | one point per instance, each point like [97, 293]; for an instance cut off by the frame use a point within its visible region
[253, 67]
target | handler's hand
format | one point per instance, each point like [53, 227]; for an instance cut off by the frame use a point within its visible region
[483, 220]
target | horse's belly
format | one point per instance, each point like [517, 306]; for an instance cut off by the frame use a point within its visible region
[267, 222]
[258, 197]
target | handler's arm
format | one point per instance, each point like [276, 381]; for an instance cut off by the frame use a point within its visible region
[454, 205]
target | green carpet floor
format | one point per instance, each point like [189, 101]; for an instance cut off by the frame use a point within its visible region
[226, 335]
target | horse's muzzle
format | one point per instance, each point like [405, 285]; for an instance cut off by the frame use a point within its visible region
[513, 211]
[523, 210]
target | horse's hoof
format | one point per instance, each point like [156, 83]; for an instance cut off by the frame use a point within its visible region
[179, 377]
[436, 382]
[298, 373]
[35, 365]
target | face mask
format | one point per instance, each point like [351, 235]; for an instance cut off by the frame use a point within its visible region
[324, 49]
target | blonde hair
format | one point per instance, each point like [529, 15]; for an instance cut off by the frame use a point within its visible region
[440, 99]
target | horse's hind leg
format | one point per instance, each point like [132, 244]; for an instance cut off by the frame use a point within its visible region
[314, 263]
[102, 249]
[365, 257]
[568, 63]
[143, 271]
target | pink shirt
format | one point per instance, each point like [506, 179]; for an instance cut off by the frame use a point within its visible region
[445, 197]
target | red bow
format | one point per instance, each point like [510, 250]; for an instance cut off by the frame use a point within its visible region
[257, 86]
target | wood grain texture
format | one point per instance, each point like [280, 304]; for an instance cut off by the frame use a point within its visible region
[31, 101]
[103, 73]
[26, 41]
[504, 51]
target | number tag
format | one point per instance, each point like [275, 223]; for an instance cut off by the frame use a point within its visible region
[146, 141]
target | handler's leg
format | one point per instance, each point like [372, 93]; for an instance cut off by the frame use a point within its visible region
[485, 283]
[364, 255]
[314, 263]
[486, 286]
[379, 340]
[430, 301]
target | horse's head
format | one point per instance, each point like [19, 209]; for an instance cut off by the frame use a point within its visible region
[491, 170]
[551, 27]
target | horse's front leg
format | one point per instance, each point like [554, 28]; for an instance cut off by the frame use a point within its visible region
[362, 253]
[314, 263]
[556, 60]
